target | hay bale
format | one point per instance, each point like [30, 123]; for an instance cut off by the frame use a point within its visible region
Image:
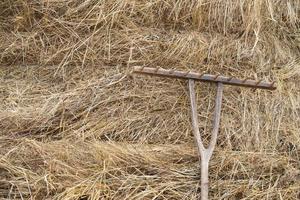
[75, 124]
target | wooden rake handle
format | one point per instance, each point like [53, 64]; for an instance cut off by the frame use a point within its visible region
[205, 153]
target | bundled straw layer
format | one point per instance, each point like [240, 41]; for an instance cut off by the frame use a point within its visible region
[76, 124]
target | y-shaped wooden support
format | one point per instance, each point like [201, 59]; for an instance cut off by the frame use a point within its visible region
[205, 153]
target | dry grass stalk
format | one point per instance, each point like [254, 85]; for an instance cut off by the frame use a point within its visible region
[75, 124]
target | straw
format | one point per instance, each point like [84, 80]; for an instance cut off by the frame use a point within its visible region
[74, 122]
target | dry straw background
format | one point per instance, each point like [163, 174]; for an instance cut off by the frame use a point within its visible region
[76, 124]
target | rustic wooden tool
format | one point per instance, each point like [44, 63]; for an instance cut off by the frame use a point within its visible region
[205, 153]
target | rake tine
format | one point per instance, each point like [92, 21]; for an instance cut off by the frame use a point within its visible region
[244, 81]
[272, 84]
[230, 78]
[258, 82]
[216, 76]
[187, 73]
[201, 75]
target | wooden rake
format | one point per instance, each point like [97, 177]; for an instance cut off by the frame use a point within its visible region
[205, 153]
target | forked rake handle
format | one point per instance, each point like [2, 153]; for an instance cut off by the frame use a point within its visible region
[205, 153]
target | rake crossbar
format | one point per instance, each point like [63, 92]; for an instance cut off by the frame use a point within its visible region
[204, 77]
